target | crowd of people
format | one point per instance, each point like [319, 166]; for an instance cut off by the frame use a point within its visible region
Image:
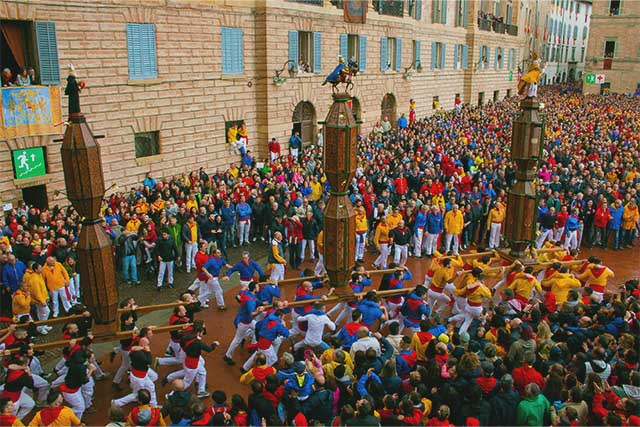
[542, 345]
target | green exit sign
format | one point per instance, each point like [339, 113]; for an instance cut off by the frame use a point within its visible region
[29, 163]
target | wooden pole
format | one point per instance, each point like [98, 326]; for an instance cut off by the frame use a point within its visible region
[350, 297]
[312, 278]
[51, 321]
[145, 308]
[467, 256]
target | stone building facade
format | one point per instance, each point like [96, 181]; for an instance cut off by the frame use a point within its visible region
[614, 47]
[166, 79]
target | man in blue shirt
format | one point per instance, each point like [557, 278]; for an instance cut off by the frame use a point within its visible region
[243, 211]
[228, 214]
[434, 228]
[268, 330]
[371, 309]
[12, 273]
[244, 320]
[295, 144]
[403, 122]
[247, 268]
[212, 286]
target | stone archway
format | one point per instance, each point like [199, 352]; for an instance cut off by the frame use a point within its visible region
[304, 121]
[389, 108]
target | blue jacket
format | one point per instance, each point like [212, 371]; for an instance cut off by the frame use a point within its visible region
[243, 210]
[270, 328]
[348, 334]
[362, 382]
[228, 215]
[572, 223]
[12, 275]
[301, 310]
[420, 221]
[301, 383]
[248, 303]
[268, 293]
[434, 223]
[286, 374]
[404, 360]
[370, 311]
[616, 221]
[413, 309]
[214, 265]
[295, 142]
[247, 271]
[402, 122]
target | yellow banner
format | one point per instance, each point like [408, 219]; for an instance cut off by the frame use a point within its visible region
[29, 111]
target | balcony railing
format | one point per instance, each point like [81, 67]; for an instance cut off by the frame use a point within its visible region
[498, 27]
[484, 24]
[512, 30]
[389, 7]
[29, 111]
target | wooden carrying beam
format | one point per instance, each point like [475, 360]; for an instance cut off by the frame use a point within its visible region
[103, 337]
[145, 308]
[312, 278]
[51, 321]
[350, 297]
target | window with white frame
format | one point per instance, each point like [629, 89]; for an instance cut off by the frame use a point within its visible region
[353, 47]
[392, 45]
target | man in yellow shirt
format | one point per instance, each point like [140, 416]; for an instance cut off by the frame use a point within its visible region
[596, 277]
[316, 189]
[133, 224]
[494, 224]
[475, 292]
[561, 283]
[523, 286]
[361, 233]
[38, 290]
[381, 240]
[394, 218]
[55, 414]
[57, 279]
[453, 224]
[630, 218]
[442, 276]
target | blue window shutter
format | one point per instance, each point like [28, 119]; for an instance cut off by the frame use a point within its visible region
[465, 56]
[344, 46]
[232, 51]
[398, 54]
[293, 47]
[465, 12]
[418, 9]
[434, 50]
[418, 59]
[47, 52]
[443, 57]
[383, 54]
[148, 45]
[444, 11]
[134, 48]
[317, 52]
[363, 53]
[455, 56]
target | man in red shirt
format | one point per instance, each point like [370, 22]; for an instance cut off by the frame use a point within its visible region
[274, 149]
[526, 373]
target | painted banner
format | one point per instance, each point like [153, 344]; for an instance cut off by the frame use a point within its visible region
[355, 11]
[29, 110]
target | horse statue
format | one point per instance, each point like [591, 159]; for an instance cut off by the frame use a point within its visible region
[342, 74]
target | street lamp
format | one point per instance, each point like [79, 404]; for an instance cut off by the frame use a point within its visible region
[278, 79]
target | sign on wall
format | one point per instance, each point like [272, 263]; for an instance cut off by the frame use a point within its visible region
[29, 163]
[593, 79]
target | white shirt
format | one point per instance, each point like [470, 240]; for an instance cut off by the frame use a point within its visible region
[365, 344]
[315, 327]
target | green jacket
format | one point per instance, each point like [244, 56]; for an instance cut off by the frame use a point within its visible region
[174, 232]
[533, 411]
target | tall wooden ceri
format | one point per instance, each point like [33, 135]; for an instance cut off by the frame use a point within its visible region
[340, 138]
[84, 181]
[526, 151]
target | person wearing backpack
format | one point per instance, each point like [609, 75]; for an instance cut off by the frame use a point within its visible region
[144, 414]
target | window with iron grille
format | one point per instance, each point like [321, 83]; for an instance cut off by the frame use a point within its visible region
[147, 144]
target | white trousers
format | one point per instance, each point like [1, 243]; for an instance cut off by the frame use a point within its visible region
[456, 241]
[345, 313]
[81, 399]
[74, 287]
[212, 286]
[277, 272]
[319, 269]
[381, 261]
[42, 386]
[438, 301]
[176, 359]
[23, 405]
[571, 239]
[42, 310]
[190, 249]
[270, 354]
[544, 235]
[244, 330]
[137, 384]
[494, 235]
[557, 234]
[198, 374]
[312, 248]
[469, 314]
[165, 267]
[62, 294]
[361, 239]
[195, 285]
[418, 240]
[125, 364]
[244, 227]
[400, 253]
[393, 310]
[431, 245]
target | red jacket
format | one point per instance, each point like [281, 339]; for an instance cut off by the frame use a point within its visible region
[602, 217]
[524, 375]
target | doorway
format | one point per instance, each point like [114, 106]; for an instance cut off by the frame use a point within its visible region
[304, 121]
[480, 98]
[388, 108]
[605, 88]
[36, 196]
